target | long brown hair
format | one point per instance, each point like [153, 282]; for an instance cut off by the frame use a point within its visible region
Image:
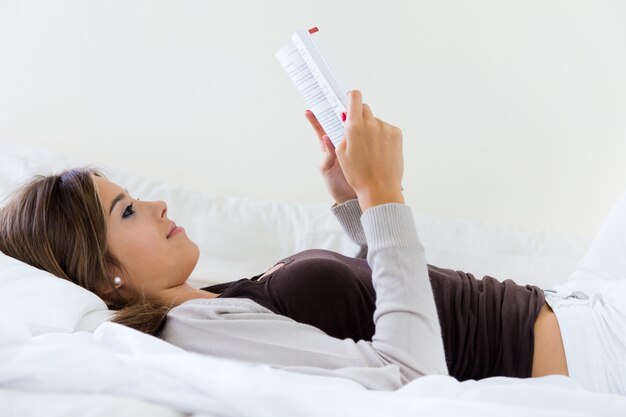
[57, 223]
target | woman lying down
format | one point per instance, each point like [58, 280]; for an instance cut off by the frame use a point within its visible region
[381, 319]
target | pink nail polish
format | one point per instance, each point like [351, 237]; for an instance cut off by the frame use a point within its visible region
[343, 116]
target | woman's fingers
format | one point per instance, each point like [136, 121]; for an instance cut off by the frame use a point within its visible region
[355, 108]
[329, 144]
[329, 154]
[367, 112]
[319, 130]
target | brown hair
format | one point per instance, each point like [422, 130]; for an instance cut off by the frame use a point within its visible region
[57, 223]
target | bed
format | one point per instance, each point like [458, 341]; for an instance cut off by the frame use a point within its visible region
[60, 356]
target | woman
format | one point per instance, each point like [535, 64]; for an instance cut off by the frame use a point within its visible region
[130, 254]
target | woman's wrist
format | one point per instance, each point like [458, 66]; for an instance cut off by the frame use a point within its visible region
[343, 199]
[376, 198]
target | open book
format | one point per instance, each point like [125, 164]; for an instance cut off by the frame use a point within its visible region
[315, 81]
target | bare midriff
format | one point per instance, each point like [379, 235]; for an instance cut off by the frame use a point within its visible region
[549, 354]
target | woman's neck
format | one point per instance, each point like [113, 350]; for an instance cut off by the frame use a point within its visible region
[182, 293]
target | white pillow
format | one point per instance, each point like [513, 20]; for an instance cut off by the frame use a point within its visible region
[46, 303]
[605, 258]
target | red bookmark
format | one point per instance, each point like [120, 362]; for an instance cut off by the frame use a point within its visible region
[313, 30]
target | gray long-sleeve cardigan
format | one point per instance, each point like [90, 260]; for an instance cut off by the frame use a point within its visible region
[407, 343]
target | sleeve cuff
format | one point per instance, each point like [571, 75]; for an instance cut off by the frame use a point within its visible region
[390, 225]
[349, 215]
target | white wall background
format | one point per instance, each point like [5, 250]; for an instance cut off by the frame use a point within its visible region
[513, 112]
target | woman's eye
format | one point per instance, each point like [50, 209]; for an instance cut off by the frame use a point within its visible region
[129, 210]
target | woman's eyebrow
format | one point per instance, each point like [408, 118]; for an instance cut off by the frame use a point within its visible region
[116, 199]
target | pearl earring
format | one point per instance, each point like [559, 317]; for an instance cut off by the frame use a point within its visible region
[117, 281]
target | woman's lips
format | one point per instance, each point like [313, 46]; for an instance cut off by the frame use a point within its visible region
[177, 229]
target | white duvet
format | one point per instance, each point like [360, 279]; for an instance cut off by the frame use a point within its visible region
[118, 360]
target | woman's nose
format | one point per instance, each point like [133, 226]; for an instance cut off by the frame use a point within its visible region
[163, 208]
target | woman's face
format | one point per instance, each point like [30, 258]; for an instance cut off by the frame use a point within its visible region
[137, 236]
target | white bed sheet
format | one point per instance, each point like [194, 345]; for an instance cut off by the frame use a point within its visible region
[120, 361]
[17, 403]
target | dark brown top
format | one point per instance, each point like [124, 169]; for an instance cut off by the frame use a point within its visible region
[325, 289]
[487, 325]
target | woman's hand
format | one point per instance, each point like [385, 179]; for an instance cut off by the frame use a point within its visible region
[331, 171]
[370, 156]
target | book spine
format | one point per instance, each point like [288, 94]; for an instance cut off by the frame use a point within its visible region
[320, 68]
[328, 85]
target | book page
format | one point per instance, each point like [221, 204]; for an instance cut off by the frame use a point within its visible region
[314, 95]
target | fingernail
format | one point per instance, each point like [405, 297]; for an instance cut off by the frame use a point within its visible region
[343, 116]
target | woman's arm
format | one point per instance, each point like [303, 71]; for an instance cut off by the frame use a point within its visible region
[407, 342]
[371, 159]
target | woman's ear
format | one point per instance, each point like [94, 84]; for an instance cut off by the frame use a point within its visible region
[114, 292]
[112, 284]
